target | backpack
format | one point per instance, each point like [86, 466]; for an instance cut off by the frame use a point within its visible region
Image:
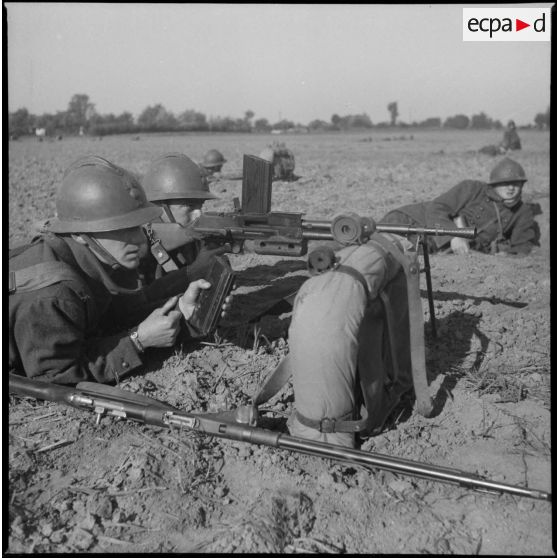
[39, 275]
[282, 159]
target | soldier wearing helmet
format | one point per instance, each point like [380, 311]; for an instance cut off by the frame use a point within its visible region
[76, 309]
[510, 141]
[282, 159]
[213, 161]
[505, 224]
[174, 183]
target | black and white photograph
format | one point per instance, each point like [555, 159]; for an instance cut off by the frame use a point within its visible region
[280, 278]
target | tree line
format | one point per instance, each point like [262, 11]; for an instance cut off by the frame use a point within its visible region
[81, 118]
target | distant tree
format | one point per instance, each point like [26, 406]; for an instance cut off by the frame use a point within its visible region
[248, 115]
[359, 121]
[432, 122]
[54, 124]
[107, 124]
[192, 120]
[20, 122]
[481, 122]
[336, 120]
[392, 108]
[79, 110]
[542, 119]
[459, 122]
[283, 124]
[157, 118]
[262, 125]
[319, 125]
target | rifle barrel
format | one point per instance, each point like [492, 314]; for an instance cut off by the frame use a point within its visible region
[113, 401]
[405, 466]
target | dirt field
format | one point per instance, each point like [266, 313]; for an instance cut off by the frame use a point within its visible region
[117, 487]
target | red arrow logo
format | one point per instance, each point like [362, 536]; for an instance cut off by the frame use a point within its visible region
[519, 25]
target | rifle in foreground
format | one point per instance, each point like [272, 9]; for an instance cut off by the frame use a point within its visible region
[240, 425]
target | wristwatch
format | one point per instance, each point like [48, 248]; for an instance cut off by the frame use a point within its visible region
[135, 340]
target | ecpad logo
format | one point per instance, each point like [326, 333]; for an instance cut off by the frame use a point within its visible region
[506, 24]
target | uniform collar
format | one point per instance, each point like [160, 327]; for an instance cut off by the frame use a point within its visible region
[121, 281]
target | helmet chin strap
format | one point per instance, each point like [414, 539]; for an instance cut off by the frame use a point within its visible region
[100, 251]
[168, 212]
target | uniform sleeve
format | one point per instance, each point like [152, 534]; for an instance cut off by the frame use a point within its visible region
[50, 334]
[447, 206]
[523, 235]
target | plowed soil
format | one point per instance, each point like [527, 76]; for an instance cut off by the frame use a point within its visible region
[123, 487]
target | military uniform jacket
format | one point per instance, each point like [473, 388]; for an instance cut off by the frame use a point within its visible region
[511, 140]
[76, 329]
[481, 207]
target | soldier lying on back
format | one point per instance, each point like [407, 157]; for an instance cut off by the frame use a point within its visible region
[75, 309]
[505, 224]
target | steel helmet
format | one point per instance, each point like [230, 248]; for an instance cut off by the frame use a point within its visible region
[98, 196]
[507, 171]
[175, 176]
[213, 158]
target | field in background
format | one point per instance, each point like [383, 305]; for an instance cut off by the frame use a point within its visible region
[122, 487]
[371, 172]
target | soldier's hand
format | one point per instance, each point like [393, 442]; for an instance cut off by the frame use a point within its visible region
[161, 327]
[459, 245]
[188, 301]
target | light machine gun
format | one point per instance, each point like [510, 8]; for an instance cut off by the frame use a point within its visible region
[241, 425]
[287, 234]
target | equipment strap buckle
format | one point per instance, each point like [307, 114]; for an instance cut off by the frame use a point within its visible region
[327, 425]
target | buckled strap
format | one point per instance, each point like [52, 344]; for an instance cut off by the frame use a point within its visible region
[158, 250]
[425, 403]
[40, 275]
[329, 425]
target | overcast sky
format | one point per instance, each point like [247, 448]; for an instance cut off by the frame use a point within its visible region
[298, 62]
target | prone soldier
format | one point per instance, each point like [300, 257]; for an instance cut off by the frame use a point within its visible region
[212, 162]
[175, 184]
[510, 142]
[505, 224]
[76, 308]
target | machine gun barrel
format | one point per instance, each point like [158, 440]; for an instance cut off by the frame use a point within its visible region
[468, 232]
[239, 425]
[312, 227]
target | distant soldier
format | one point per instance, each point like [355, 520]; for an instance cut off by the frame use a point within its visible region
[510, 141]
[174, 183]
[282, 159]
[213, 161]
[76, 311]
[505, 224]
[211, 166]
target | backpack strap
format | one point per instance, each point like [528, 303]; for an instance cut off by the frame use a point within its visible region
[40, 275]
[425, 403]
